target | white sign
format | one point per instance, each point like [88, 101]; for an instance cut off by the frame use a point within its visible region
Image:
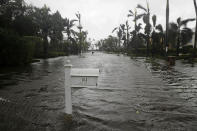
[77, 78]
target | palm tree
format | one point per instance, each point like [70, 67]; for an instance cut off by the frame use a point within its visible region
[137, 27]
[136, 17]
[162, 37]
[154, 34]
[69, 24]
[182, 32]
[146, 19]
[78, 15]
[42, 18]
[119, 32]
[127, 34]
[195, 6]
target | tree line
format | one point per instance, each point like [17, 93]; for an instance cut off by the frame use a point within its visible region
[150, 38]
[28, 32]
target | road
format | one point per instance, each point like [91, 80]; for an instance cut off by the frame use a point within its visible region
[136, 94]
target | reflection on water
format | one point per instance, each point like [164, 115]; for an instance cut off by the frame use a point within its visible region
[132, 94]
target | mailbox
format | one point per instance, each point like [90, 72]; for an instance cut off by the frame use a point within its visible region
[84, 77]
[76, 77]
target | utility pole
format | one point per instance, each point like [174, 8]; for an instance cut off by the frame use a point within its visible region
[167, 27]
[195, 41]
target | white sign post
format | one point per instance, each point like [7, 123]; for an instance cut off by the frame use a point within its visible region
[77, 78]
[68, 101]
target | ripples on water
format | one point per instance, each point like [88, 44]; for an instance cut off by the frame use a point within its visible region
[132, 94]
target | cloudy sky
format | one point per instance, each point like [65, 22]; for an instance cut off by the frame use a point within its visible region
[99, 17]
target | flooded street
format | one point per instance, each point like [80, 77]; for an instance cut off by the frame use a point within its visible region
[135, 94]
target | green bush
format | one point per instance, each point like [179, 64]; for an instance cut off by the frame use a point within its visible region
[138, 51]
[14, 49]
[38, 48]
[186, 49]
[172, 52]
[184, 57]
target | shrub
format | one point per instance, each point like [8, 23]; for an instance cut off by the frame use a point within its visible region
[15, 50]
[38, 45]
[187, 49]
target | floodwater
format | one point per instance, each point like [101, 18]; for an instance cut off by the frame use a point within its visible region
[133, 94]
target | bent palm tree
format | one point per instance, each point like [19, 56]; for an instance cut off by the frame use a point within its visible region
[119, 34]
[181, 31]
[69, 24]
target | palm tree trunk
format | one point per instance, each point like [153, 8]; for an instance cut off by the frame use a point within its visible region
[45, 44]
[178, 45]
[147, 45]
[162, 46]
[127, 41]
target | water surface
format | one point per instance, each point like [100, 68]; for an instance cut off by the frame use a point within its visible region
[136, 94]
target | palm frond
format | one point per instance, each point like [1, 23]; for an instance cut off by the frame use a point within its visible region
[179, 21]
[71, 23]
[133, 32]
[159, 28]
[186, 34]
[129, 15]
[146, 18]
[141, 7]
[122, 26]
[186, 30]
[184, 22]
[131, 12]
[127, 23]
[141, 35]
[173, 26]
[139, 16]
[154, 19]
[114, 29]
[78, 16]
[138, 28]
[73, 32]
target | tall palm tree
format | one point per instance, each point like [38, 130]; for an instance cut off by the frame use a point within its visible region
[127, 34]
[146, 19]
[135, 34]
[154, 34]
[124, 34]
[136, 17]
[119, 30]
[195, 6]
[69, 24]
[162, 37]
[78, 15]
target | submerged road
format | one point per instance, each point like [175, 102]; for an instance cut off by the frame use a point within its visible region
[132, 95]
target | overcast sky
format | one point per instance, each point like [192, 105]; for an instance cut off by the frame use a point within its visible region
[99, 17]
